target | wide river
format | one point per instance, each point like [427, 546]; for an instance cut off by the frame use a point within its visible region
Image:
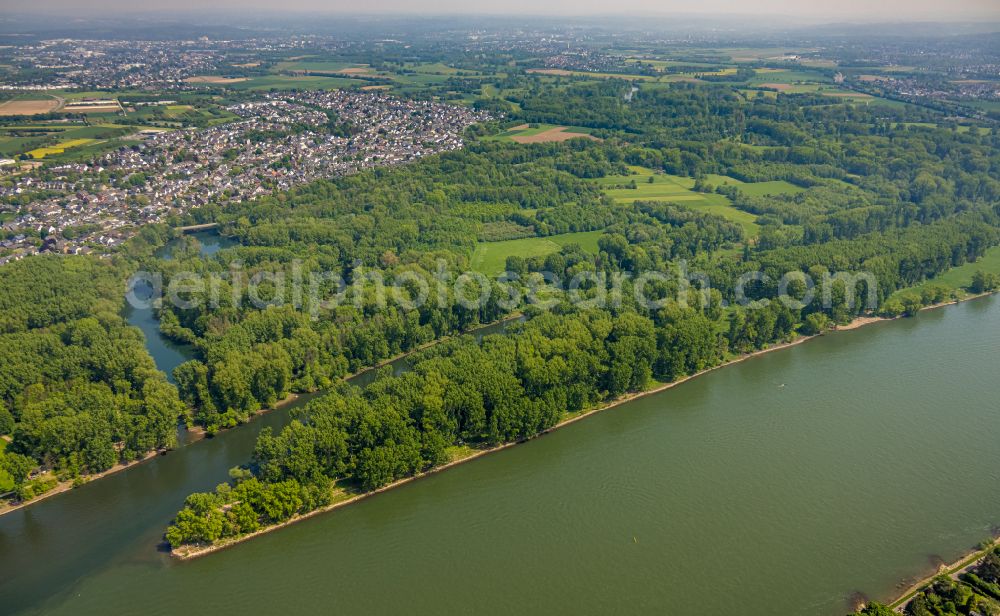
[783, 485]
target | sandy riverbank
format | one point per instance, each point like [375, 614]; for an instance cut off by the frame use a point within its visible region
[868, 320]
[190, 552]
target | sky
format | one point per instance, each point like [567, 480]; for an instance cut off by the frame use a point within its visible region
[838, 10]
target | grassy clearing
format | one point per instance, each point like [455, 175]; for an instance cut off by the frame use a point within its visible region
[490, 258]
[677, 189]
[959, 278]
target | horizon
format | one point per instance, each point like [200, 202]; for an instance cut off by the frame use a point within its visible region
[785, 12]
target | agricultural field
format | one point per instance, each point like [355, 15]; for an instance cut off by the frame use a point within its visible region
[788, 76]
[71, 96]
[29, 104]
[541, 133]
[982, 105]
[320, 66]
[215, 80]
[661, 65]
[45, 140]
[93, 106]
[756, 54]
[59, 149]
[490, 258]
[558, 72]
[298, 82]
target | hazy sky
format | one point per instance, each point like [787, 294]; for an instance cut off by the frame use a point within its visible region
[833, 10]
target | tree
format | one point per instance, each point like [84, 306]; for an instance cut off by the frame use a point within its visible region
[815, 323]
[6, 421]
[875, 609]
[983, 281]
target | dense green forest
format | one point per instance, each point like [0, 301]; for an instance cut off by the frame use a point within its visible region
[902, 204]
[78, 390]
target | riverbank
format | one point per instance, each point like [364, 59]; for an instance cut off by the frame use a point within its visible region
[69, 484]
[952, 570]
[191, 552]
[684, 472]
[868, 320]
[197, 433]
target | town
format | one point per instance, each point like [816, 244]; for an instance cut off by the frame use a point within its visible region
[280, 141]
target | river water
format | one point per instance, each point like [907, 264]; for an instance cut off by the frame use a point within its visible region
[781, 485]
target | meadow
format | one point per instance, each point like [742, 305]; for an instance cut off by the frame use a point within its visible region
[959, 278]
[677, 189]
[490, 258]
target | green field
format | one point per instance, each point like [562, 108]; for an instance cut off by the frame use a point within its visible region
[984, 105]
[677, 189]
[433, 68]
[490, 258]
[788, 76]
[315, 66]
[776, 187]
[303, 82]
[959, 278]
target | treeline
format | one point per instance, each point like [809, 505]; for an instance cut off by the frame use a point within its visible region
[465, 394]
[895, 260]
[78, 391]
[250, 357]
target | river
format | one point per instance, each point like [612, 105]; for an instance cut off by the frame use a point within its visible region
[780, 485]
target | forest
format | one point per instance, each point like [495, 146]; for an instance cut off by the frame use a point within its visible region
[79, 393]
[872, 193]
